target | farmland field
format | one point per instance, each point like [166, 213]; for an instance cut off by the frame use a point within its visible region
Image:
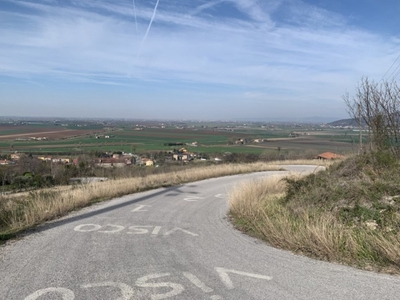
[80, 137]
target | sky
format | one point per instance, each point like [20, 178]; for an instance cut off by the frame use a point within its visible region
[192, 59]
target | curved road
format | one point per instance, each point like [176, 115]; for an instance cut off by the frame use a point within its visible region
[171, 243]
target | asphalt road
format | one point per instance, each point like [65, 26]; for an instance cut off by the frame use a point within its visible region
[171, 243]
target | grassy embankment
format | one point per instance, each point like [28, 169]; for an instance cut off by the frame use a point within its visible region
[19, 212]
[348, 214]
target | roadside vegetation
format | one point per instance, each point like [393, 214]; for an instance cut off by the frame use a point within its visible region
[25, 210]
[31, 173]
[349, 213]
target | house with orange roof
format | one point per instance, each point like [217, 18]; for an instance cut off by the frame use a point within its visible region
[329, 155]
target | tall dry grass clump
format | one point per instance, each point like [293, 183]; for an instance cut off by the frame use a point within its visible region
[21, 211]
[346, 214]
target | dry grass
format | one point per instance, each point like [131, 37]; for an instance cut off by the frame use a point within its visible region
[22, 211]
[324, 163]
[257, 207]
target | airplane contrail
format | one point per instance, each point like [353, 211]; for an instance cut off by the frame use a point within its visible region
[151, 22]
[147, 31]
[134, 12]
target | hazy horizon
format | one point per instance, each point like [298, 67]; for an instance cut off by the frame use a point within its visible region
[311, 120]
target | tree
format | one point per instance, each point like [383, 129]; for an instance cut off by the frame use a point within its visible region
[377, 105]
[33, 165]
[85, 165]
[5, 177]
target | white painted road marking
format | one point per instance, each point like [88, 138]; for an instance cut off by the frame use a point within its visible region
[139, 229]
[66, 294]
[197, 282]
[223, 274]
[126, 291]
[156, 231]
[222, 196]
[92, 227]
[180, 229]
[134, 230]
[139, 208]
[176, 287]
[117, 228]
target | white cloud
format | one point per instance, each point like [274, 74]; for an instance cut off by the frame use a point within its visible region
[253, 9]
[265, 56]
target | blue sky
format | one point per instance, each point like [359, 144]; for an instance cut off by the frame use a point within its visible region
[197, 59]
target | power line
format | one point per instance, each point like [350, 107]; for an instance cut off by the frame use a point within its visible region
[395, 71]
[397, 74]
[391, 67]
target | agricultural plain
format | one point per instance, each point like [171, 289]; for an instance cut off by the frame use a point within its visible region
[83, 136]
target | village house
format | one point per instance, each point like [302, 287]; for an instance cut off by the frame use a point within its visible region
[59, 160]
[112, 162]
[259, 140]
[45, 158]
[181, 156]
[240, 141]
[294, 134]
[329, 155]
[147, 161]
[62, 160]
[16, 156]
[38, 138]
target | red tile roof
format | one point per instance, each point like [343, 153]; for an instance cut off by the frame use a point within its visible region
[329, 155]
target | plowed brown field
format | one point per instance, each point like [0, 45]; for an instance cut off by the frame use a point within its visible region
[50, 133]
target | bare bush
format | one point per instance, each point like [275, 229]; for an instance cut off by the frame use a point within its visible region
[377, 105]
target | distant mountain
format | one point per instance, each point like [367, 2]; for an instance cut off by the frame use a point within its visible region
[317, 119]
[346, 122]
[308, 120]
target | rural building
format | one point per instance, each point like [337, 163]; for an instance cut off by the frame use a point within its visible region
[61, 160]
[329, 155]
[55, 160]
[15, 156]
[45, 158]
[181, 156]
[112, 162]
[193, 144]
[240, 141]
[148, 162]
[4, 162]
[259, 140]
